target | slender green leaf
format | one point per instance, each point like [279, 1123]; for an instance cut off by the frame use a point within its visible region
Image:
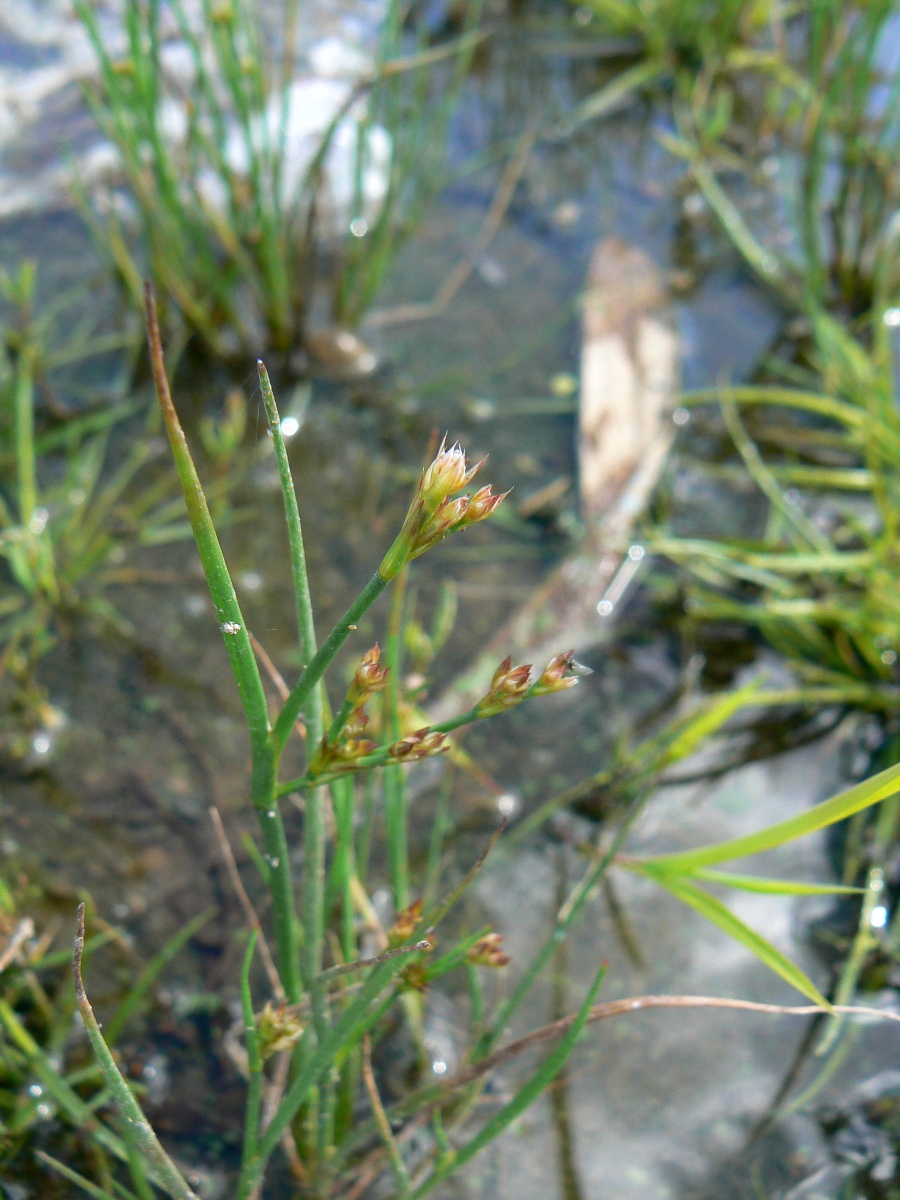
[773, 887]
[871, 791]
[716, 912]
[98, 1193]
[526, 1095]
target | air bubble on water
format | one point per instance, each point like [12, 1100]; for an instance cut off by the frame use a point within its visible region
[889, 657]
[35, 1090]
[290, 426]
[891, 317]
[635, 553]
[41, 743]
[879, 916]
[605, 607]
[439, 1067]
[508, 804]
[44, 1110]
[38, 521]
[271, 814]
[681, 416]
[358, 227]
[195, 604]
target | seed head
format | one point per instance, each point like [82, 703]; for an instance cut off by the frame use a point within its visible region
[483, 504]
[434, 513]
[422, 744]
[370, 677]
[413, 978]
[560, 673]
[509, 687]
[447, 474]
[405, 924]
[341, 755]
[277, 1028]
[488, 952]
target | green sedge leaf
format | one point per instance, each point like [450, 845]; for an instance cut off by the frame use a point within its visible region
[773, 887]
[845, 804]
[526, 1095]
[707, 722]
[719, 914]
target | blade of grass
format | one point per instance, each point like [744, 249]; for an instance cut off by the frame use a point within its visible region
[525, 1096]
[168, 1176]
[719, 914]
[862, 795]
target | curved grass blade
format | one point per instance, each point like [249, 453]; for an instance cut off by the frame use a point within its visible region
[527, 1094]
[719, 914]
[773, 887]
[166, 1174]
[863, 795]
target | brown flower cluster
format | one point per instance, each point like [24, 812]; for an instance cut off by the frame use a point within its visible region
[343, 752]
[511, 685]
[424, 743]
[488, 952]
[434, 513]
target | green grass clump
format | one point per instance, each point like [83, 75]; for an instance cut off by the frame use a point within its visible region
[233, 212]
[67, 524]
[818, 578]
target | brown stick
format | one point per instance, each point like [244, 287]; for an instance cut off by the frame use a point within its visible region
[22, 932]
[620, 1008]
[247, 905]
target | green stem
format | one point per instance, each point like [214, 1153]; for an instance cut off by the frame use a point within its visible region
[312, 706]
[264, 753]
[305, 618]
[395, 805]
[378, 758]
[24, 399]
[297, 700]
[254, 1060]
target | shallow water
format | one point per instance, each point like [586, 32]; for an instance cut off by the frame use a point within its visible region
[656, 1105]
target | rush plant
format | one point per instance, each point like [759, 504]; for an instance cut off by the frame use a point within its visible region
[312, 1090]
[251, 189]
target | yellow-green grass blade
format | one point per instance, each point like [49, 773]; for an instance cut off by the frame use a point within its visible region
[862, 795]
[773, 887]
[722, 916]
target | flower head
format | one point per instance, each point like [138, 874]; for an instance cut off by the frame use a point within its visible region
[405, 924]
[350, 745]
[434, 513]
[560, 673]
[449, 473]
[370, 677]
[488, 952]
[422, 744]
[277, 1028]
[509, 686]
